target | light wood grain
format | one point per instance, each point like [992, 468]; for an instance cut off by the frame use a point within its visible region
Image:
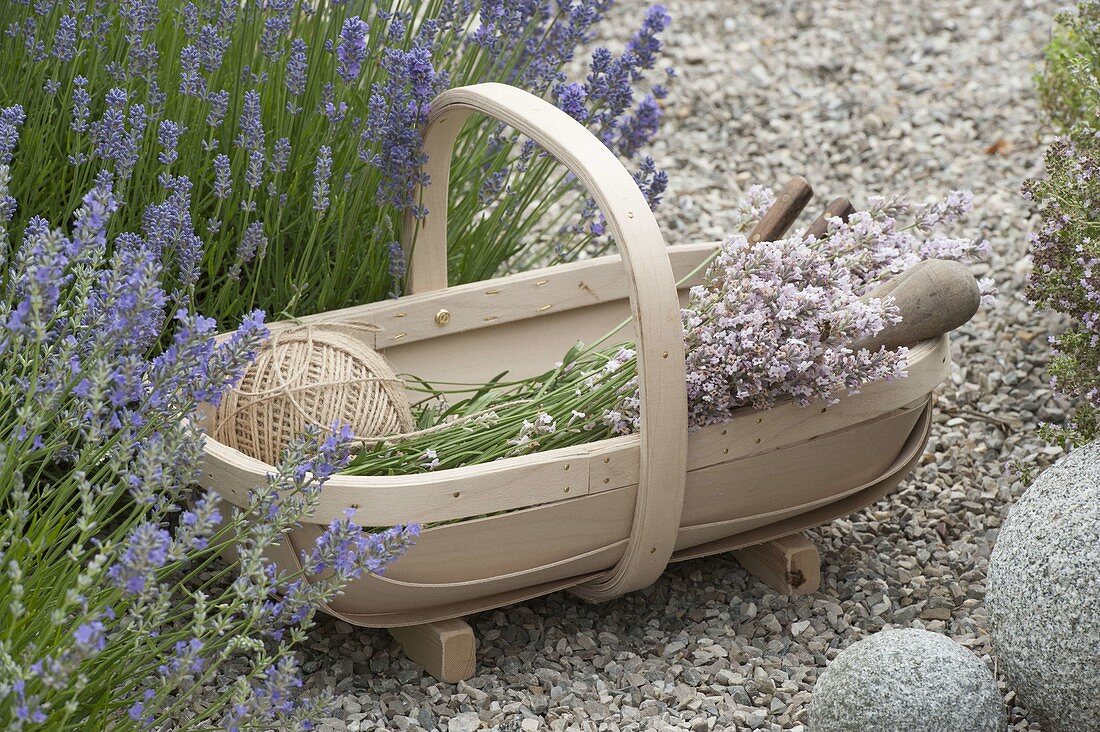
[391, 600]
[781, 214]
[933, 297]
[653, 298]
[790, 565]
[840, 208]
[444, 648]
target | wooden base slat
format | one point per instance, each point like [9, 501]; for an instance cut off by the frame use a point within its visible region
[445, 649]
[790, 565]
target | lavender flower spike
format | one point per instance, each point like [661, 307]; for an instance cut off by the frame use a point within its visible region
[11, 118]
[352, 49]
[168, 136]
[295, 78]
[251, 135]
[321, 174]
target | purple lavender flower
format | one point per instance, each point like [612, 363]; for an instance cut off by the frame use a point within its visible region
[396, 254]
[322, 171]
[89, 637]
[146, 553]
[254, 173]
[296, 74]
[352, 49]
[397, 112]
[112, 139]
[219, 105]
[170, 233]
[253, 242]
[197, 524]
[772, 321]
[27, 709]
[190, 23]
[333, 110]
[280, 155]
[168, 136]
[639, 128]
[64, 41]
[212, 47]
[223, 181]
[81, 105]
[651, 181]
[276, 26]
[251, 135]
[192, 82]
[571, 99]
[645, 44]
[11, 119]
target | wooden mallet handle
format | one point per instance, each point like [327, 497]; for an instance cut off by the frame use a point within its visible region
[934, 296]
[839, 208]
[788, 204]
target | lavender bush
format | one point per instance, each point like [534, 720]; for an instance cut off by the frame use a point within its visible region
[115, 610]
[1066, 247]
[292, 128]
[772, 321]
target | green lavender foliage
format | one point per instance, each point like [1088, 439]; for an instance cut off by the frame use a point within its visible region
[316, 108]
[116, 612]
[1065, 249]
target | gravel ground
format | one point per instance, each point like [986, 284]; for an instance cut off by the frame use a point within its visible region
[918, 96]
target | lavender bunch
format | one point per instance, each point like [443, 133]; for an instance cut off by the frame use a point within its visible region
[771, 322]
[1065, 249]
[774, 321]
[297, 127]
[117, 611]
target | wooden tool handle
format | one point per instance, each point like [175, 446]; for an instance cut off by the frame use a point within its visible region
[788, 204]
[840, 208]
[934, 296]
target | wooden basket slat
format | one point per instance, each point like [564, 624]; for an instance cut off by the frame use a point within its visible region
[523, 296]
[388, 601]
[541, 478]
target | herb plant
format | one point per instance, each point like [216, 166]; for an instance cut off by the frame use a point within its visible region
[292, 128]
[1065, 248]
[115, 609]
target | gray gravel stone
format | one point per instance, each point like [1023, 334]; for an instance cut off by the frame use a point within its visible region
[1044, 594]
[906, 681]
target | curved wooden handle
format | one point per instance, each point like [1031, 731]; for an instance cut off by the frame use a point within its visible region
[653, 300]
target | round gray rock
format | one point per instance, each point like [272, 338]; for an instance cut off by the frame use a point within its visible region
[1043, 594]
[906, 681]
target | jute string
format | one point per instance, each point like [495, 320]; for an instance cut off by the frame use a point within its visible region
[312, 375]
[316, 375]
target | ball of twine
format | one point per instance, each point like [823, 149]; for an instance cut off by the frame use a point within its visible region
[311, 375]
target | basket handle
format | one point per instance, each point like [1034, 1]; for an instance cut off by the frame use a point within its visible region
[653, 300]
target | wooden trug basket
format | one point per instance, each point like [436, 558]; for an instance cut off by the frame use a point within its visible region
[605, 518]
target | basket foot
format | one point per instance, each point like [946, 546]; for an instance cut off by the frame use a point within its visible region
[445, 649]
[789, 565]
